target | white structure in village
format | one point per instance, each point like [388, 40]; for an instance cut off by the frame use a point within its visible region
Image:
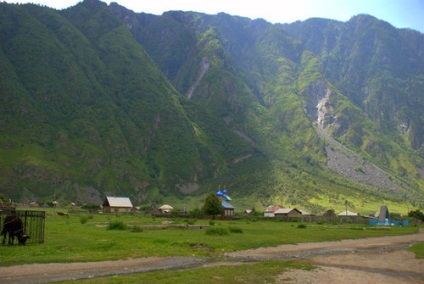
[113, 204]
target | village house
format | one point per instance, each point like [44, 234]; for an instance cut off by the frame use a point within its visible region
[270, 210]
[289, 212]
[113, 204]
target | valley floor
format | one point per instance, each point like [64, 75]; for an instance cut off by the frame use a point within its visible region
[371, 260]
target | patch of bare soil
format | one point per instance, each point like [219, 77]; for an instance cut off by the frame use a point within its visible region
[371, 260]
[53, 272]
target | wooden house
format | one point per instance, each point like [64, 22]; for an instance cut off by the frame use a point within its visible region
[113, 204]
[289, 212]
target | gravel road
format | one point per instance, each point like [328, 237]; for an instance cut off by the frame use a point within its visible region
[370, 260]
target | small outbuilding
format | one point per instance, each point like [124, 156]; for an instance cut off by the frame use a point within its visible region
[113, 204]
[166, 208]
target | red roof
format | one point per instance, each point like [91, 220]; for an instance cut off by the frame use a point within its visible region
[273, 208]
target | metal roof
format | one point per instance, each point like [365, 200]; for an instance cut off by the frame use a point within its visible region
[226, 197]
[227, 205]
[166, 207]
[348, 213]
[273, 208]
[285, 210]
[114, 201]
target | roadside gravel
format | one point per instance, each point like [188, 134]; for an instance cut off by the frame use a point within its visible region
[370, 260]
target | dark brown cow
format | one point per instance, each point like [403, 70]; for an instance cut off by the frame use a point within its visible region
[14, 227]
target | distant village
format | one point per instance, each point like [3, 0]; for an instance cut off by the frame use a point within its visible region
[123, 204]
[114, 204]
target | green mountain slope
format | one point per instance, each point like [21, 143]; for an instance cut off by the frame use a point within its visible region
[97, 99]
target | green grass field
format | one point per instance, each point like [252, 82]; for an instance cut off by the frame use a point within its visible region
[87, 237]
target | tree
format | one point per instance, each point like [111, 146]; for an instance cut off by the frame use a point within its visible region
[417, 214]
[212, 205]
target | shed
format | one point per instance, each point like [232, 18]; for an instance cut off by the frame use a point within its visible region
[290, 212]
[113, 204]
[166, 208]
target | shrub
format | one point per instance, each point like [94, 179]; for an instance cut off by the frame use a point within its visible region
[190, 221]
[217, 231]
[84, 219]
[136, 229]
[117, 225]
[211, 223]
[301, 226]
[91, 206]
[417, 214]
[235, 230]
[196, 212]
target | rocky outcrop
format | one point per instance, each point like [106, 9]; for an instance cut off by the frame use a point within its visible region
[341, 159]
[204, 67]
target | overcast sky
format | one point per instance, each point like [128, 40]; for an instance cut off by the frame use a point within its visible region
[399, 13]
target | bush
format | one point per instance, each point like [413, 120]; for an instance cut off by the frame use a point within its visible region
[235, 230]
[211, 223]
[91, 206]
[84, 219]
[136, 229]
[301, 226]
[417, 214]
[196, 212]
[217, 231]
[117, 225]
[190, 221]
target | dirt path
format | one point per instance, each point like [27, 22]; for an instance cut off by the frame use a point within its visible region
[371, 260]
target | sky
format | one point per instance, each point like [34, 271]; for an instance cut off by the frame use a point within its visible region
[399, 13]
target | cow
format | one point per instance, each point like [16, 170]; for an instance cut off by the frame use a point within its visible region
[14, 227]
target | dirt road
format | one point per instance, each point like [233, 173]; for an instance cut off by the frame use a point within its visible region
[371, 260]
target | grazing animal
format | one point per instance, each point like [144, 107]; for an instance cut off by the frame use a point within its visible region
[14, 227]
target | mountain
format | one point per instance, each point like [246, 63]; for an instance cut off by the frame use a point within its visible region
[97, 99]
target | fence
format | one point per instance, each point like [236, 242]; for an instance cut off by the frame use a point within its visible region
[323, 219]
[388, 222]
[33, 223]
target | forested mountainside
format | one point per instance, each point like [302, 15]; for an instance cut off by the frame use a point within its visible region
[97, 99]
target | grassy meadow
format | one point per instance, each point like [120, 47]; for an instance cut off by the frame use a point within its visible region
[83, 237]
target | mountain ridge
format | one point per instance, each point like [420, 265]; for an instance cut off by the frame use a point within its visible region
[167, 107]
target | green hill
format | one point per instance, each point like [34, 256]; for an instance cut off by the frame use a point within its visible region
[97, 99]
